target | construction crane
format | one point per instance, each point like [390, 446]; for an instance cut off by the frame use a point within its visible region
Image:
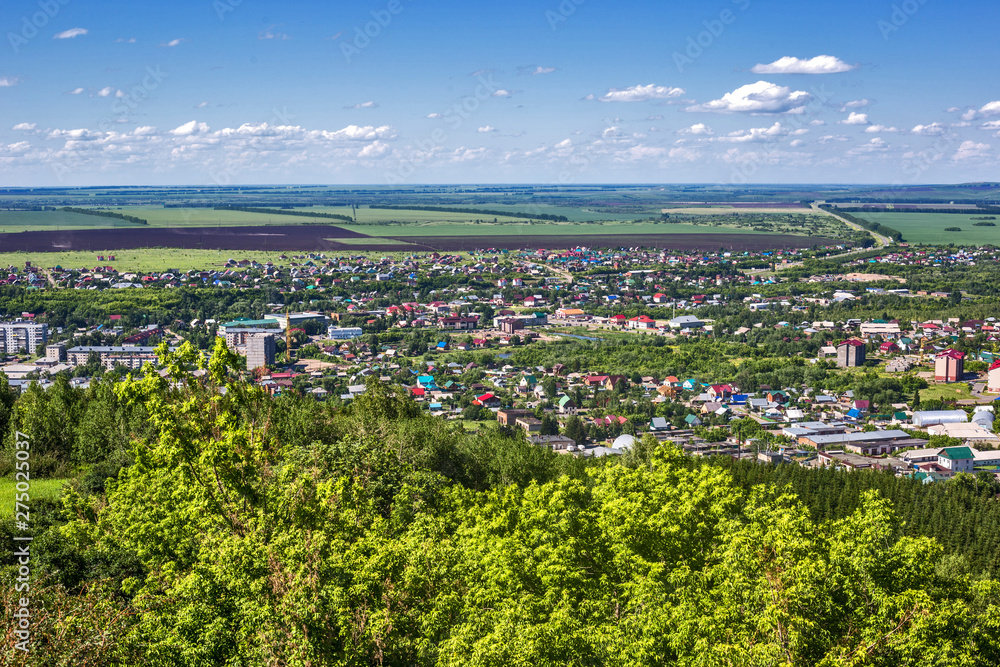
[288, 336]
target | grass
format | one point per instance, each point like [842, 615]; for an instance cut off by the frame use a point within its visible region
[22, 221]
[950, 392]
[146, 259]
[928, 228]
[48, 489]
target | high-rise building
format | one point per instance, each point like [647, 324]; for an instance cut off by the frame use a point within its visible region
[850, 353]
[16, 336]
[260, 351]
[949, 366]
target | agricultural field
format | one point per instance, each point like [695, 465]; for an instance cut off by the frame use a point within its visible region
[21, 221]
[147, 259]
[929, 228]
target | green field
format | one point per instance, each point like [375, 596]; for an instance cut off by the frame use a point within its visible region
[524, 228]
[929, 228]
[151, 259]
[22, 221]
[48, 489]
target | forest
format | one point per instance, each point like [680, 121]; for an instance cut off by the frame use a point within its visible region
[217, 527]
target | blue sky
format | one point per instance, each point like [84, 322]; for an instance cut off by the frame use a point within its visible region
[558, 91]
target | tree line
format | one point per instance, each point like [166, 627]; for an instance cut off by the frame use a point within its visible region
[279, 211]
[106, 214]
[475, 211]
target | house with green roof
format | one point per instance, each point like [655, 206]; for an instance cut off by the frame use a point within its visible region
[567, 406]
[957, 459]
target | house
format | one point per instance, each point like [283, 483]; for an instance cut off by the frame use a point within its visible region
[570, 313]
[685, 322]
[556, 442]
[888, 347]
[956, 459]
[612, 382]
[508, 417]
[720, 391]
[949, 366]
[567, 406]
[692, 420]
[595, 380]
[659, 424]
[487, 401]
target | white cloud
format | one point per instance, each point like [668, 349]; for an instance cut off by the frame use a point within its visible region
[360, 133]
[970, 114]
[871, 129]
[817, 123]
[144, 131]
[641, 93]
[687, 154]
[795, 143]
[932, 130]
[564, 144]
[832, 137]
[876, 145]
[991, 125]
[189, 128]
[434, 115]
[269, 33]
[70, 34]
[75, 91]
[502, 93]
[174, 42]
[855, 119]
[24, 127]
[363, 105]
[756, 134]
[105, 92]
[792, 65]
[122, 40]
[698, 129]
[201, 105]
[759, 97]
[376, 149]
[855, 104]
[485, 129]
[543, 70]
[990, 108]
[970, 150]
[8, 81]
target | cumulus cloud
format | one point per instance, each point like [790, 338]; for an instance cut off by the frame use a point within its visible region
[761, 97]
[855, 104]
[501, 92]
[970, 150]
[8, 81]
[535, 71]
[855, 119]
[641, 93]
[360, 133]
[70, 34]
[201, 105]
[990, 108]
[434, 114]
[931, 130]
[795, 143]
[363, 105]
[756, 134]
[698, 129]
[485, 129]
[376, 149]
[174, 42]
[876, 145]
[872, 129]
[75, 91]
[24, 127]
[189, 128]
[122, 40]
[792, 65]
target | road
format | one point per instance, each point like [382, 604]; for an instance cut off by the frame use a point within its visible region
[880, 241]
